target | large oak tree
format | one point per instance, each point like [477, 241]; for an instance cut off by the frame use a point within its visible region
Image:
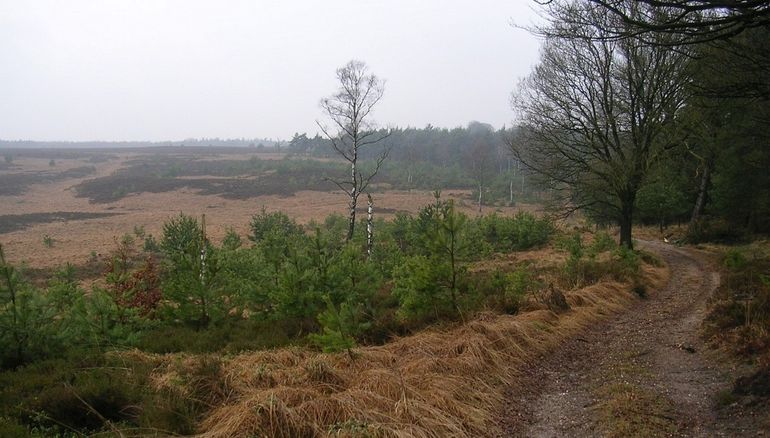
[597, 113]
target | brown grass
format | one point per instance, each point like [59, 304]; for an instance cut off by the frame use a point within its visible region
[76, 239]
[440, 382]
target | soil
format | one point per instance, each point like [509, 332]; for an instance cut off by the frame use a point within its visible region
[645, 372]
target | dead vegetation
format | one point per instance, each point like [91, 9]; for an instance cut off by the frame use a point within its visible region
[440, 382]
[17, 183]
[14, 222]
[627, 407]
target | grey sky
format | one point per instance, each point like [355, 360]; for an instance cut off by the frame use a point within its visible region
[163, 70]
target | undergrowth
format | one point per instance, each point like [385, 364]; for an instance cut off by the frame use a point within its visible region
[739, 318]
[181, 294]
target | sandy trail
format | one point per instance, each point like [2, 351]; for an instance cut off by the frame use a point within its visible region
[654, 350]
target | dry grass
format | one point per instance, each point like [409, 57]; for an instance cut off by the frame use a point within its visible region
[76, 239]
[440, 382]
[626, 408]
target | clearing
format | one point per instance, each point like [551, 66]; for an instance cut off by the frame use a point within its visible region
[89, 198]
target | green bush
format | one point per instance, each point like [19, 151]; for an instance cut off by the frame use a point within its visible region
[272, 226]
[181, 235]
[622, 264]
[520, 283]
[232, 240]
[28, 325]
[151, 244]
[734, 260]
[245, 280]
[602, 242]
[191, 284]
[418, 287]
[102, 323]
[340, 326]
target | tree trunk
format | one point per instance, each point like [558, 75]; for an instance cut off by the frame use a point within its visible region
[352, 219]
[369, 225]
[353, 196]
[700, 202]
[480, 198]
[626, 220]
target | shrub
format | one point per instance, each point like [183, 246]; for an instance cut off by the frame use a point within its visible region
[340, 325]
[26, 329]
[88, 398]
[530, 231]
[245, 280]
[232, 335]
[626, 264]
[102, 323]
[150, 244]
[272, 225]
[48, 241]
[622, 264]
[232, 240]
[734, 260]
[181, 235]
[191, 283]
[714, 231]
[418, 287]
[518, 233]
[740, 315]
[520, 283]
[434, 284]
[602, 242]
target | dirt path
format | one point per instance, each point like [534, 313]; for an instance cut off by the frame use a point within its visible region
[643, 373]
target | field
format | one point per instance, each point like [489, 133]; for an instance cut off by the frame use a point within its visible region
[458, 323]
[85, 199]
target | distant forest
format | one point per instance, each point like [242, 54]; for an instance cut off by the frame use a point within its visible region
[198, 142]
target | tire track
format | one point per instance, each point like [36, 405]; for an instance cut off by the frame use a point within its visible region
[652, 350]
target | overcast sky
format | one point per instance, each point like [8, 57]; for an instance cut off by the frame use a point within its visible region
[168, 70]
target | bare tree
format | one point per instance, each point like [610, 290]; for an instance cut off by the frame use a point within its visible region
[597, 113]
[481, 157]
[693, 21]
[349, 110]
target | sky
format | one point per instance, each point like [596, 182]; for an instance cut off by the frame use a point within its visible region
[157, 70]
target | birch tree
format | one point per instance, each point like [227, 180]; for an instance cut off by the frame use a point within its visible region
[349, 110]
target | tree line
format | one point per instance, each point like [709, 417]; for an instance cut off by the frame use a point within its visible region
[651, 111]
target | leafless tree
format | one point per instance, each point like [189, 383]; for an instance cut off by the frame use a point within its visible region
[692, 21]
[481, 157]
[349, 110]
[597, 113]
